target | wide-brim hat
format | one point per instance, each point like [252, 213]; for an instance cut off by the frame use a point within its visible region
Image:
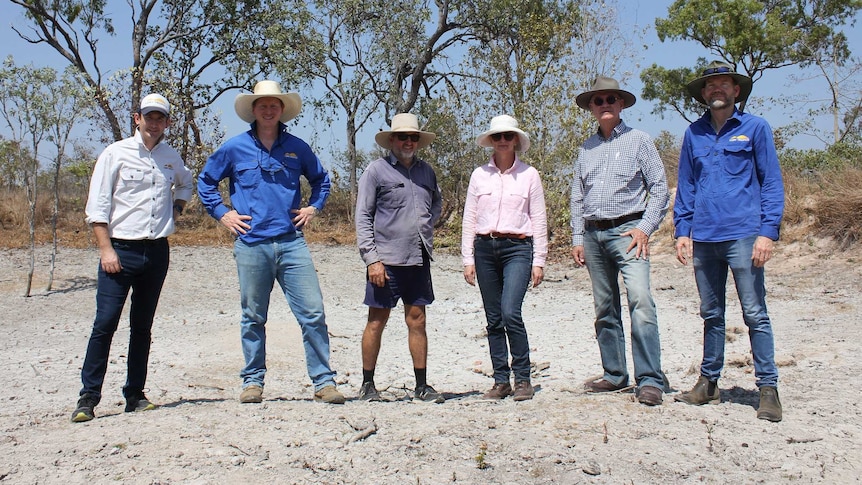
[404, 123]
[604, 83]
[267, 89]
[720, 68]
[504, 124]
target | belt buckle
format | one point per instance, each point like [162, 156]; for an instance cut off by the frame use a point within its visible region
[493, 236]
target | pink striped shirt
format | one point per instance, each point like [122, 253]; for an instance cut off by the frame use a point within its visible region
[510, 202]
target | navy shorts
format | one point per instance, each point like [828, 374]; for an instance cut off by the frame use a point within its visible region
[409, 283]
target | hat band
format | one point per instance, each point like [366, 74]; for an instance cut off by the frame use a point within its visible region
[717, 70]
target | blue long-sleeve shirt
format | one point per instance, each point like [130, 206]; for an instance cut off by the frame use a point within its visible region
[396, 208]
[730, 183]
[264, 184]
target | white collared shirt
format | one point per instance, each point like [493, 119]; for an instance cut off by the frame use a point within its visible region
[133, 189]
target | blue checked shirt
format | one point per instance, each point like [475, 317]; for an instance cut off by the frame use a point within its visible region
[617, 176]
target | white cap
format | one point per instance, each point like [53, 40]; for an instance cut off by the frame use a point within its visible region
[155, 102]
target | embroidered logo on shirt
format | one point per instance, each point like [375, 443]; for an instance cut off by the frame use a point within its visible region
[169, 166]
[290, 155]
[739, 138]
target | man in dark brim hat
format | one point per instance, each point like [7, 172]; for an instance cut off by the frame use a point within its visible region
[727, 214]
[619, 197]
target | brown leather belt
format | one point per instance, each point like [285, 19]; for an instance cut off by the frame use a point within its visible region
[611, 223]
[503, 235]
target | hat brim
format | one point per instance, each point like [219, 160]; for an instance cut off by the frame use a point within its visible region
[425, 138]
[745, 84]
[245, 109]
[583, 99]
[484, 140]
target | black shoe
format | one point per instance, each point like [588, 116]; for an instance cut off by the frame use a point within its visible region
[368, 392]
[84, 410]
[428, 394]
[139, 403]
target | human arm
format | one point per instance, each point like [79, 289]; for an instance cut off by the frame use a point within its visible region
[218, 166]
[578, 254]
[683, 249]
[366, 206]
[576, 204]
[107, 255]
[683, 206]
[468, 224]
[655, 181]
[771, 183]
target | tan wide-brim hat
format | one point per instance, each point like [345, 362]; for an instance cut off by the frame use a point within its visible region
[504, 124]
[267, 89]
[720, 68]
[404, 123]
[604, 83]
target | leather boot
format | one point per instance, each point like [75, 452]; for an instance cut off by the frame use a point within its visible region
[704, 392]
[770, 406]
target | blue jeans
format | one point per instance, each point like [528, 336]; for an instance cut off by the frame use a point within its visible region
[145, 265]
[503, 269]
[606, 257]
[711, 261]
[285, 259]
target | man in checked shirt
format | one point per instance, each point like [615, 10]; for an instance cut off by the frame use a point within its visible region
[619, 197]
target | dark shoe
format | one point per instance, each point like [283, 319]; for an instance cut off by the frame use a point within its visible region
[704, 392]
[329, 395]
[139, 403]
[602, 385]
[499, 391]
[428, 394]
[770, 406]
[649, 395]
[251, 394]
[369, 393]
[84, 409]
[523, 391]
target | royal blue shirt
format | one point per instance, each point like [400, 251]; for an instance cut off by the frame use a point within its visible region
[263, 183]
[730, 184]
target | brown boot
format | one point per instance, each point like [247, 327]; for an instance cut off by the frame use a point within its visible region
[704, 392]
[770, 406]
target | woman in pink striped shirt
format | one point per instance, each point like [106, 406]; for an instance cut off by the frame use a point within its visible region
[504, 243]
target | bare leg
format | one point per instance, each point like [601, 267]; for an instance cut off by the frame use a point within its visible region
[373, 336]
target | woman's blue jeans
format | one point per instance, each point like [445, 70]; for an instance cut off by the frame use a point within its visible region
[145, 265]
[503, 269]
[285, 259]
[606, 258]
[711, 262]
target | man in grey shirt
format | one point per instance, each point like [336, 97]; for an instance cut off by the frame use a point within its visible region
[396, 208]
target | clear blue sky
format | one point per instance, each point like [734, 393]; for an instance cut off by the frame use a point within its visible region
[634, 14]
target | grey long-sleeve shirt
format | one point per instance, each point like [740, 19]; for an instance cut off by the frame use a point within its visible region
[396, 209]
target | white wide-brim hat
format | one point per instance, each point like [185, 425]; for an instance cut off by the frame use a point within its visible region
[404, 123]
[267, 89]
[504, 124]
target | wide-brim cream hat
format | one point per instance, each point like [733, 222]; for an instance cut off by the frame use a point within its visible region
[504, 124]
[267, 89]
[404, 123]
[719, 68]
[604, 83]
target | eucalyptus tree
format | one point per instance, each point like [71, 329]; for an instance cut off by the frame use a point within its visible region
[24, 105]
[194, 50]
[755, 36]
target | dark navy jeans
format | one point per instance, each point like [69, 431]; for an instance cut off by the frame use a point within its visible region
[145, 265]
[503, 268]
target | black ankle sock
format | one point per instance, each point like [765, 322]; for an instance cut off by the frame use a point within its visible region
[421, 378]
[367, 375]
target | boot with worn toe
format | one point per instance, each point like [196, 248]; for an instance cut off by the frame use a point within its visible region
[770, 406]
[704, 392]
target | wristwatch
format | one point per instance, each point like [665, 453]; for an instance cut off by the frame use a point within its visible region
[178, 208]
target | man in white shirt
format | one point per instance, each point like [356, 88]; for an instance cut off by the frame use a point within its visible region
[139, 185]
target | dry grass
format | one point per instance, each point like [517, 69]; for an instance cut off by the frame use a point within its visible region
[826, 205]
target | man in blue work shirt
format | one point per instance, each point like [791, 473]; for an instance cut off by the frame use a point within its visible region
[396, 208]
[727, 214]
[264, 166]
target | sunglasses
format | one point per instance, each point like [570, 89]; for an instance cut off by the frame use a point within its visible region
[716, 70]
[404, 137]
[598, 101]
[509, 136]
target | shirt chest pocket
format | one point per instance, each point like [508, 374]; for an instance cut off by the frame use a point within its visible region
[391, 194]
[737, 159]
[133, 178]
[248, 174]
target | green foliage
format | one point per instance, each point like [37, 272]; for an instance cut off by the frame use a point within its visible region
[836, 157]
[667, 88]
